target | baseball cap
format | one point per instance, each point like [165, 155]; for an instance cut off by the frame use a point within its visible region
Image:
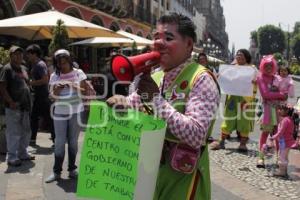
[34, 48]
[15, 48]
[61, 52]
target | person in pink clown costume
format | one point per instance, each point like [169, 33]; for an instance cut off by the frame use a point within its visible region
[270, 95]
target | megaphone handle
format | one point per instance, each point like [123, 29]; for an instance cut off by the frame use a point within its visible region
[147, 107]
[162, 93]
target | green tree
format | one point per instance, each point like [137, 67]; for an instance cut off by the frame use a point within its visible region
[254, 37]
[295, 68]
[134, 49]
[271, 40]
[60, 37]
[4, 56]
[296, 28]
[279, 58]
[296, 46]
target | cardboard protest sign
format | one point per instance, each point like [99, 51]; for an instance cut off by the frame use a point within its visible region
[120, 155]
[236, 80]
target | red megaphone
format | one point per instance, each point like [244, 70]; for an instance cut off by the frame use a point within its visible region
[126, 68]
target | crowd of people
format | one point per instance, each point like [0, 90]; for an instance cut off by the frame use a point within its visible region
[184, 93]
[56, 98]
[279, 120]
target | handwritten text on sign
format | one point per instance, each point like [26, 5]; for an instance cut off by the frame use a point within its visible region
[110, 154]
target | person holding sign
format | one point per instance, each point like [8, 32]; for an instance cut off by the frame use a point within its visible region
[184, 94]
[238, 111]
[66, 86]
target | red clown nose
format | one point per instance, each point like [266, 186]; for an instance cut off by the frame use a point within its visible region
[126, 68]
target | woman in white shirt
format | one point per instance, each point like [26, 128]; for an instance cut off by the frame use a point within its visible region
[66, 85]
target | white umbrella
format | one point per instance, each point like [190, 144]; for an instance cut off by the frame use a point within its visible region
[39, 26]
[115, 42]
[210, 58]
[105, 42]
[139, 40]
[214, 59]
[197, 50]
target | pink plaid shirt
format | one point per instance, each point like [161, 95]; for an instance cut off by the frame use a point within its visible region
[202, 103]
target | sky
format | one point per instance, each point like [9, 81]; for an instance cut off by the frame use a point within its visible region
[244, 16]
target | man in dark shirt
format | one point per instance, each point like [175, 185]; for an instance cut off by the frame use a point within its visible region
[16, 95]
[39, 83]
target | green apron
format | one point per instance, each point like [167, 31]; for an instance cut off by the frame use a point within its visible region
[172, 184]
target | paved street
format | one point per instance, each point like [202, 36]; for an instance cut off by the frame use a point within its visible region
[242, 167]
[234, 175]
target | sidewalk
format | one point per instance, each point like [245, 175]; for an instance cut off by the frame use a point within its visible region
[242, 166]
[296, 77]
[237, 187]
[27, 181]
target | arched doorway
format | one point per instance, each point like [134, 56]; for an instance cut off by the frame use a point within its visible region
[36, 7]
[139, 33]
[7, 10]
[114, 26]
[97, 20]
[128, 29]
[74, 12]
[149, 37]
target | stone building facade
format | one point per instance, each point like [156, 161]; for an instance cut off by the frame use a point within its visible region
[214, 36]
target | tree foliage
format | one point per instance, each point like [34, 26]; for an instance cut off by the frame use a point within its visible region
[4, 56]
[296, 46]
[60, 37]
[279, 58]
[134, 49]
[271, 40]
[296, 29]
[254, 37]
[295, 68]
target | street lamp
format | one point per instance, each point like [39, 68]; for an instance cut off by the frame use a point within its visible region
[208, 47]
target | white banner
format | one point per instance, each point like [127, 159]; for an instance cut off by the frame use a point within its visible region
[236, 80]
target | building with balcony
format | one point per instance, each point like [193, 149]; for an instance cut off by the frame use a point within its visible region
[134, 16]
[214, 36]
[186, 7]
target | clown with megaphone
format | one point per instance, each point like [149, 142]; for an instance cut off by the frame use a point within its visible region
[184, 94]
